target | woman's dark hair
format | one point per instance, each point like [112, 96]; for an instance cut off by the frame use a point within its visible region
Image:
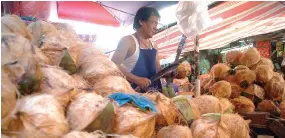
[143, 14]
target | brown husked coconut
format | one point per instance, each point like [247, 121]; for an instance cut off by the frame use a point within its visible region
[88, 52]
[40, 116]
[263, 73]
[63, 95]
[41, 57]
[210, 126]
[174, 131]
[221, 89]
[208, 104]
[112, 84]
[282, 109]
[227, 106]
[238, 127]
[167, 111]
[14, 24]
[207, 86]
[131, 120]
[268, 106]
[230, 78]
[187, 108]
[8, 99]
[275, 87]
[98, 68]
[250, 57]
[84, 109]
[236, 90]
[82, 134]
[254, 93]
[40, 28]
[245, 78]
[240, 68]
[54, 77]
[232, 57]
[80, 82]
[183, 70]
[265, 62]
[243, 105]
[4, 136]
[219, 70]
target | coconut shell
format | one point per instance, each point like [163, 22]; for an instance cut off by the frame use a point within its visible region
[221, 89]
[236, 90]
[263, 73]
[84, 109]
[264, 61]
[245, 78]
[282, 109]
[268, 106]
[275, 87]
[131, 120]
[188, 109]
[238, 127]
[210, 126]
[208, 104]
[54, 77]
[219, 70]
[38, 29]
[41, 116]
[254, 93]
[14, 24]
[112, 84]
[250, 57]
[243, 105]
[167, 111]
[8, 99]
[174, 131]
[227, 106]
[232, 57]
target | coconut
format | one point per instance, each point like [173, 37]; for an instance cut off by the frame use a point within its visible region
[80, 82]
[54, 77]
[268, 106]
[245, 78]
[41, 57]
[219, 70]
[131, 120]
[167, 111]
[63, 95]
[264, 61]
[174, 131]
[207, 86]
[84, 109]
[210, 126]
[263, 73]
[275, 87]
[227, 106]
[81, 134]
[254, 93]
[236, 90]
[88, 52]
[208, 104]
[183, 70]
[98, 68]
[238, 127]
[250, 57]
[14, 24]
[221, 89]
[240, 68]
[112, 84]
[4, 136]
[187, 108]
[8, 99]
[40, 116]
[282, 109]
[243, 105]
[232, 57]
[38, 29]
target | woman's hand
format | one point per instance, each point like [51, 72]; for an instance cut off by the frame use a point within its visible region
[143, 82]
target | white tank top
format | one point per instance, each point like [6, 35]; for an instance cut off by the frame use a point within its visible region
[130, 62]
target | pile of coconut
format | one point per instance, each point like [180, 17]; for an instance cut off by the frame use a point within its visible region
[249, 81]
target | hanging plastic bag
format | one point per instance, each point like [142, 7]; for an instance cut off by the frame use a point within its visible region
[192, 17]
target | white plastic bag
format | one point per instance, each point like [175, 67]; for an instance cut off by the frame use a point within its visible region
[192, 17]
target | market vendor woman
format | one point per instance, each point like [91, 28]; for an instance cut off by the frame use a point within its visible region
[136, 56]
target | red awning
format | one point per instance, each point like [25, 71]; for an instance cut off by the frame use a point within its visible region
[239, 20]
[86, 11]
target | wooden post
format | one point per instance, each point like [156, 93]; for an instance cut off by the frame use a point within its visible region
[197, 66]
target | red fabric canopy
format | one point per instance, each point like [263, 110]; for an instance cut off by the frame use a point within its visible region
[86, 11]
